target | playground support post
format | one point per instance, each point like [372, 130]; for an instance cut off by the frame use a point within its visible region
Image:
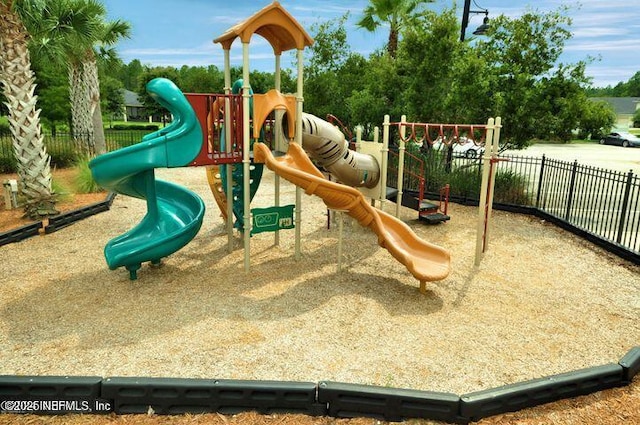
[227, 137]
[246, 161]
[382, 193]
[489, 159]
[492, 180]
[401, 149]
[385, 160]
[340, 237]
[298, 139]
[278, 141]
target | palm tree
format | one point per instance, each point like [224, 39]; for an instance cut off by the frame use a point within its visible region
[18, 81]
[90, 30]
[395, 13]
[108, 35]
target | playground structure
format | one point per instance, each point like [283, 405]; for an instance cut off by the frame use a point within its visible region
[222, 131]
[228, 126]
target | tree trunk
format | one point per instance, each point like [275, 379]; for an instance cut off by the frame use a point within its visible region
[92, 81]
[81, 121]
[98, 131]
[392, 46]
[34, 171]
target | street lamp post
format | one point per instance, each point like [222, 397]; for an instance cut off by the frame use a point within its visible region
[465, 19]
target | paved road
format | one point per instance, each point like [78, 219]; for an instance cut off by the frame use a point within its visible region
[604, 156]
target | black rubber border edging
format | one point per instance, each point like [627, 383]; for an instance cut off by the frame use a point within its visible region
[390, 404]
[80, 394]
[58, 222]
[521, 395]
[21, 233]
[63, 220]
[172, 396]
[631, 364]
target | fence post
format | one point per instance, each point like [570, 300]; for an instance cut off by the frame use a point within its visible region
[571, 189]
[540, 179]
[625, 205]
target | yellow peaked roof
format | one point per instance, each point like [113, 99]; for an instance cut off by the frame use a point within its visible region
[273, 23]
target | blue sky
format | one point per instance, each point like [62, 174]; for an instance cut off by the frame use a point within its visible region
[170, 32]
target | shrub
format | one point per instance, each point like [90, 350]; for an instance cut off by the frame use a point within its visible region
[62, 192]
[62, 155]
[465, 182]
[511, 188]
[8, 164]
[84, 180]
[5, 130]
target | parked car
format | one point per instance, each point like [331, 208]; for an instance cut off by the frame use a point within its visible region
[464, 147]
[621, 139]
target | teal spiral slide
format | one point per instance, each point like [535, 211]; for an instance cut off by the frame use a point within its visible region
[174, 213]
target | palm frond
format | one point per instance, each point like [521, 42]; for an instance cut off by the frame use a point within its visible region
[113, 31]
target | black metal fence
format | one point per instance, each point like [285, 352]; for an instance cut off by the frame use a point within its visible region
[63, 147]
[602, 202]
[61, 142]
[599, 204]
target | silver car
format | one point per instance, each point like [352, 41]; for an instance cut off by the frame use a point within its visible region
[621, 139]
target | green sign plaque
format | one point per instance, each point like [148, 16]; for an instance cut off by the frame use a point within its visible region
[272, 219]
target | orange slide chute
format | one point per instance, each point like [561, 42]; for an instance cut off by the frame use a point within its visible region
[425, 261]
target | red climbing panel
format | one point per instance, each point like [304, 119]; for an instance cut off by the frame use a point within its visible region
[209, 109]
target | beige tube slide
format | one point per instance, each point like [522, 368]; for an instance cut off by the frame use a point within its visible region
[326, 145]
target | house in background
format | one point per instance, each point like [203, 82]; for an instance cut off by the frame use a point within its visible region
[624, 107]
[133, 108]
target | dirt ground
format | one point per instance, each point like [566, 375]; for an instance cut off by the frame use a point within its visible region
[11, 218]
[542, 302]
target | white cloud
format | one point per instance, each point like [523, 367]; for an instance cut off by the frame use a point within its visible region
[597, 32]
[630, 45]
[610, 75]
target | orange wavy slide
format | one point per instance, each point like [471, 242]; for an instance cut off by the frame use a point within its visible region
[425, 261]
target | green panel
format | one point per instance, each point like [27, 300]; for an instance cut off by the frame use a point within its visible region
[272, 219]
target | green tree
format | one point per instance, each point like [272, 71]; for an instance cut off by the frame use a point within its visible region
[330, 48]
[84, 65]
[597, 119]
[629, 88]
[198, 79]
[112, 96]
[560, 102]
[633, 85]
[397, 14]
[332, 72]
[377, 93]
[53, 93]
[151, 106]
[130, 74]
[523, 53]
[453, 84]
[68, 32]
